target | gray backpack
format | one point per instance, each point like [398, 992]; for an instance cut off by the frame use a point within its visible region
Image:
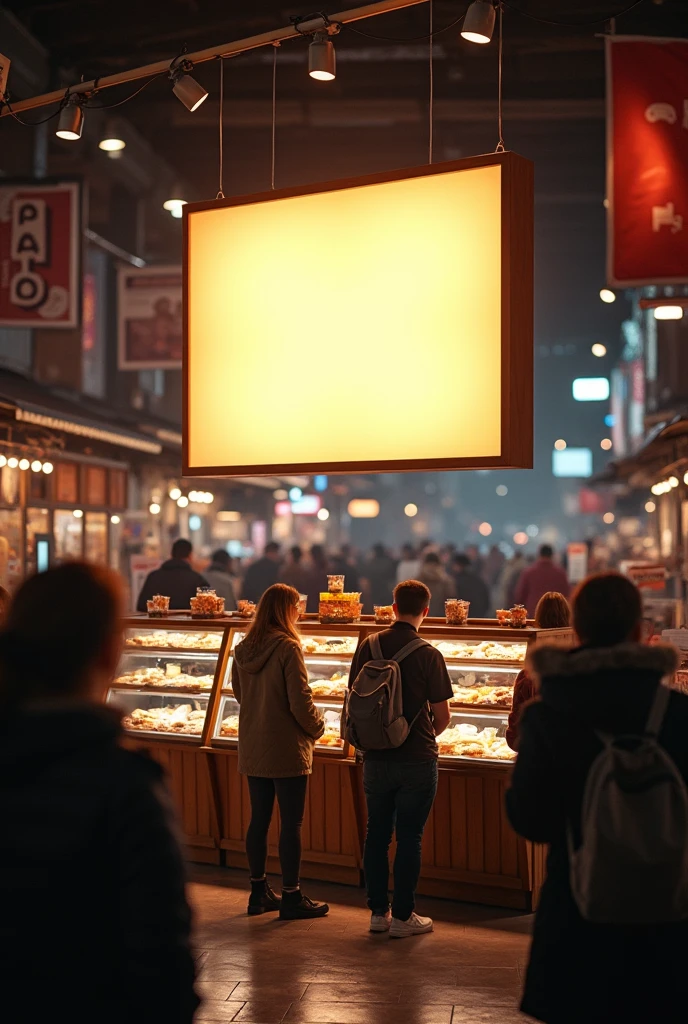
[373, 716]
[632, 865]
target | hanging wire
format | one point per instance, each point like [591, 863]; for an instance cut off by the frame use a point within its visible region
[220, 193]
[273, 137]
[431, 106]
[119, 103]
[500, 145]
[31, 124]
[572, 24]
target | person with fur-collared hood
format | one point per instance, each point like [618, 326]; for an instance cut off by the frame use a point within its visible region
[579, 971]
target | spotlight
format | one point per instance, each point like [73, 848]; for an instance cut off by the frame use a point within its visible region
[174, 205]
[186, 88]
[607, 295]
[115, 520]
[410, 510]
[668, 312]
[112, 141]
[650, 506]
[479, 23]
[3, 460]
[36, 466]
[599, 350]
[154, 508]
[78, 513]
[175, 493]
[47, 467]
[322, 62]
[560, 444]
[12, 462]
[183, 501]
[71, 121]
[606, 444]
[323, 514]
[24, 464]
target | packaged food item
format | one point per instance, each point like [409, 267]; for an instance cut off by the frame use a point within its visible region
[503, 617]
[335, 584]
[206, 604]
[384, 614]
[456, 611]
[247, 609]
[519, 616]
[158, 606]
[340, 607]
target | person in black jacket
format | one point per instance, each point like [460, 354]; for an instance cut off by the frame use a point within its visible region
[581, 972]
[174, 579]
[470, 587]
[94, 922]
[262, 573]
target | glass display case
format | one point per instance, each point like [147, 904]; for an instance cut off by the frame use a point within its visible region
[475, 735]
[165, 679]
[328, 658]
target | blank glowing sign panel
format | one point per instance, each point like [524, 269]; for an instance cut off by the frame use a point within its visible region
[376, 324]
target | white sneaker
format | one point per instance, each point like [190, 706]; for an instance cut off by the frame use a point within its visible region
[414, 926]
[380, 922]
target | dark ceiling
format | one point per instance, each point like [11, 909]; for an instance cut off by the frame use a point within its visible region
[375, 115]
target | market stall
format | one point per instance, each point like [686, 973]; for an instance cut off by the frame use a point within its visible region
[175, 687]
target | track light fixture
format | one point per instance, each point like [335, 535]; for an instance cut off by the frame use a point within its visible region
[322, 60]
[186, 88]
[174, 204]
[71, 121]
[479, 23]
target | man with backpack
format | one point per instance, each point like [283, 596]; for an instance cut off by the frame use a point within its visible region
[398, 701]
[601, 777]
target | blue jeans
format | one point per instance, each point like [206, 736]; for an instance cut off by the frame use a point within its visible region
[399, 795]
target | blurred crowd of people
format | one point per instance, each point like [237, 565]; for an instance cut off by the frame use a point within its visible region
[488, 581]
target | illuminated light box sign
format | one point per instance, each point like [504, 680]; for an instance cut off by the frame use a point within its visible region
[572, 462]
[378, 324]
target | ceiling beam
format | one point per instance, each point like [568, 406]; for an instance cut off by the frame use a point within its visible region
[211, 53]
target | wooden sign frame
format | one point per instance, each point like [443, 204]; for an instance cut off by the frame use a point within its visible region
[516, 279]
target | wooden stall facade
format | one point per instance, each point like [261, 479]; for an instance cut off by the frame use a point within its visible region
[470, 851]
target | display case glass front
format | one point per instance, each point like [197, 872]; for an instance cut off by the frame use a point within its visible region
[165, 678]
[476, 736]
[481, 650]
[479, 687]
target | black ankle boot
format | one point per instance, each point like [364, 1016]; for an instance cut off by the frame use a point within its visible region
[262, 899]
[295, 905]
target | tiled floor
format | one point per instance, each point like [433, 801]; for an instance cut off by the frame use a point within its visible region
[333, 971]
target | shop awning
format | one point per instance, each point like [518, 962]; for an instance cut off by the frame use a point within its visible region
[665, 448]
[34, 404]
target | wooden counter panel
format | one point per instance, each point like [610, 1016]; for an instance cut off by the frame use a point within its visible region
[331, 844]
[191, 787]
[468, 836]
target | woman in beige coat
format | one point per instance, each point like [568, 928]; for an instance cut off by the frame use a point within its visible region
[278, 727]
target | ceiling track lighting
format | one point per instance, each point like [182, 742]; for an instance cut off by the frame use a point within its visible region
[479, 23]
[71, 121]
[322, 59]
[186, 88]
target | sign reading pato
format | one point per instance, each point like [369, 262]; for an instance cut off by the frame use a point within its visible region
[40, 255]
[379, 324]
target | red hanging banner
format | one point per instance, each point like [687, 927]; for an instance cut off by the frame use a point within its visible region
[647, 158]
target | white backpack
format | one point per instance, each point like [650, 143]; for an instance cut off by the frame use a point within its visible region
[632, 865]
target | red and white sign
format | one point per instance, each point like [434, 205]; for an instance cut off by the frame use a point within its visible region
[40, 254]
[647, 577]
[577, 561]
[647, 155]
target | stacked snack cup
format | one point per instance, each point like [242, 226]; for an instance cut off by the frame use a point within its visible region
[158, 606]
[384, 614]
[503, 617]
[303, 604]
[335, 584]
[519, 616]
[456, 611]
[247, 609]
